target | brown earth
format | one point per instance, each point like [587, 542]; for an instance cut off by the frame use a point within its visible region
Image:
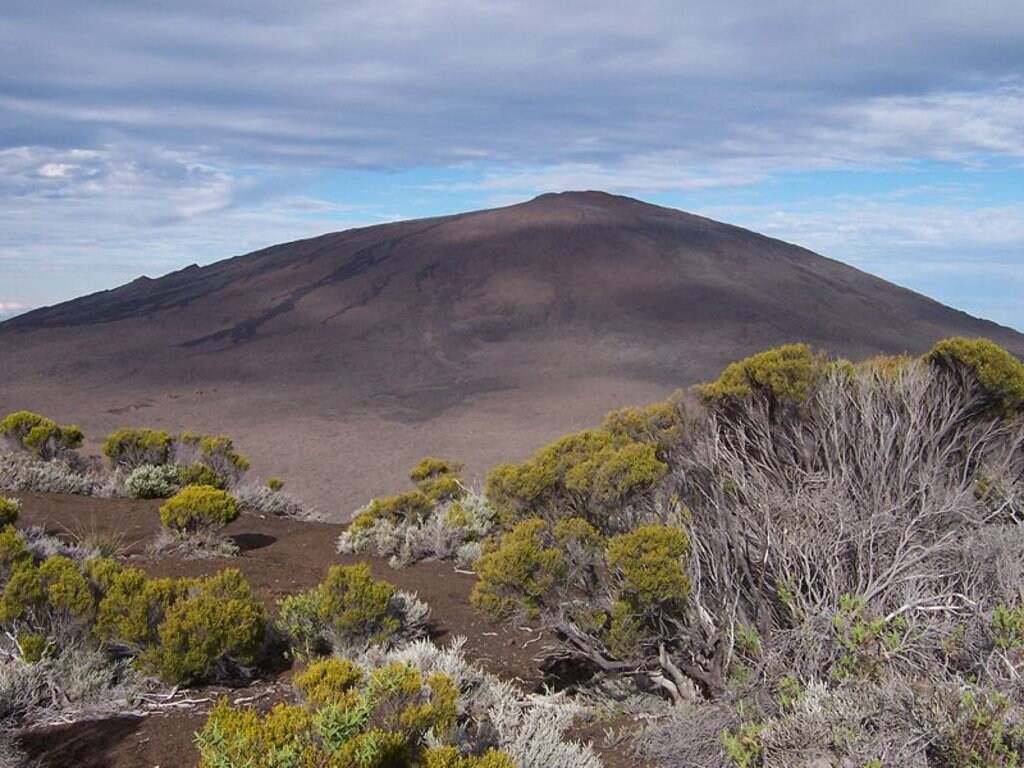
[339, 361]
[279, 557]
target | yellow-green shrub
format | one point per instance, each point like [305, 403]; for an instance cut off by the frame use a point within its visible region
[198, 508]
[349, 605]
[130, 448]
[9, 509]
[596, 474]
[999, 373]
[329, 680]
[52, 591]
[12, 550]
[199, 474]
[355, 605]
[219, 620]
[377, 721]
[411, 506]
[787, 373]
[450, 757]
[521, 572]
[182, 629]
[218, 453]
[649, 576]
[438, 480]
[38, 434]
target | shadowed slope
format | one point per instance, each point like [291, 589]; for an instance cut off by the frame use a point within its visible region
[477, 336]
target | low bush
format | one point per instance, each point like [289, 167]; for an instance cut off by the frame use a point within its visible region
[39, 435]
[22, 472]
[786, 374]
[153, 481]
[9, 509]
[997, 373]
[438, 480]
[265, 500]
[408, 507]
[184, 630]
[198, 508]
[131, 448]
[521, 573]
[217, 452]
[349, 611]
[380, 720]
[199, 474]
[610, 478]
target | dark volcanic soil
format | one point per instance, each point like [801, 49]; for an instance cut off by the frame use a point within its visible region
[338, 362]
[279, 557]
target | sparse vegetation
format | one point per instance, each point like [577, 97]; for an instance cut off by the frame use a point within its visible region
[821, 562]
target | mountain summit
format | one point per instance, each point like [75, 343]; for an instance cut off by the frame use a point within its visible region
[478, 336]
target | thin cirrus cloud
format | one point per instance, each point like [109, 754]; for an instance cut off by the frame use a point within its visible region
[138, 137]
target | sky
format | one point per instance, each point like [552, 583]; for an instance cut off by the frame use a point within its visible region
[138, 137]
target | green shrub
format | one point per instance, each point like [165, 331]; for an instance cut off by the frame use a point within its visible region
[219, 454]
[182, 629]
[784, 374]
[450, 757]
[329, 681]
[660, 425]
[983, 733]
[198, 508]
[50, 593]
[12, 550]
[412, 506]
[438, 480]
[275, 483]
[34, 647]
[595, 474]
[134, 606]
[355, 605]
[521, 573]
[199, 474]
[9, 509]
[997, 372]
[377, 722]
[298, 618]
[743, 746]
[219, 621]
[153, 481]
[130, 448]
[349, 609]
[649, 576]
[38, 434]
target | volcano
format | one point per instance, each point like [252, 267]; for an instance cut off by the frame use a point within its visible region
[340, 360]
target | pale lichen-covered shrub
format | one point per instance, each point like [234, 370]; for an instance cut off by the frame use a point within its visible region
[449, 528]
[153, 481]
[21, 472]
[268, 500]
[530, 728]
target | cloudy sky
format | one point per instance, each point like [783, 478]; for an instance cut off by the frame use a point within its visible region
[137, 137]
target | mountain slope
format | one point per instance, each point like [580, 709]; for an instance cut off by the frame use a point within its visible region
[477, 336]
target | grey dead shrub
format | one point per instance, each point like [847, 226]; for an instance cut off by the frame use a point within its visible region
[263, 500]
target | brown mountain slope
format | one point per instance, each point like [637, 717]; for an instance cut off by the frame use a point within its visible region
[340, 360]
